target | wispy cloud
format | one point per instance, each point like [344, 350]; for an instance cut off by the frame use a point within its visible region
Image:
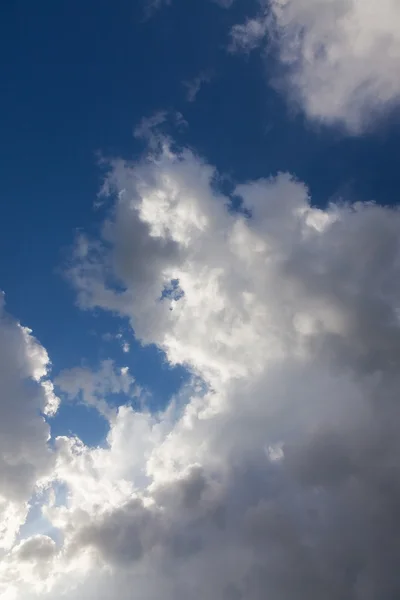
[193, 86]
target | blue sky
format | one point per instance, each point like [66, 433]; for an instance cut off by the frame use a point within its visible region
[288, 110]
[77, 80]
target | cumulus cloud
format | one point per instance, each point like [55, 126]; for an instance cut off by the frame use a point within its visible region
[339, 58]
[25, 396]
[276, 468]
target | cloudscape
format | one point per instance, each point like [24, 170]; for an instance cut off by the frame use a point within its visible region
[200, 308]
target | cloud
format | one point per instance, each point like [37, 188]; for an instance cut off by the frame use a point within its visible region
[93, 387]
[194, 86]
[147, 125]
[37, 548]
[152, 130]
[124, 344]
[277, 466]
[339, 58]
[25, 396]
[152, 6]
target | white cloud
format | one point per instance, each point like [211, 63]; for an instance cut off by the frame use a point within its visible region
[277, 467]
[340, 58]
[94, 387]
[249, 35]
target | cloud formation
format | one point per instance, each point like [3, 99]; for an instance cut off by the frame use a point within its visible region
[277, 466]
[25, 397]
[339, 58]
[194, 86]
[95, 388]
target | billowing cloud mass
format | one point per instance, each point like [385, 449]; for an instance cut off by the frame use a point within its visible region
[275, 471]
[25, 397]
[224, 3]
[339, 58]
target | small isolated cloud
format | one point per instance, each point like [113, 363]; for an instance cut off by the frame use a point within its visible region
[339, 58]
[194, 86]
[25, 396]
[249, 35]
[94, 387]
[152, 6]
[120, 338]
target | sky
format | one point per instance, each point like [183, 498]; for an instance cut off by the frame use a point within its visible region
[200, 300]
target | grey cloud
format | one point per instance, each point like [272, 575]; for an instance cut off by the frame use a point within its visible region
[282, 478]
[139, 256]
[38, 548]
[124, 535]
[24, 454]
